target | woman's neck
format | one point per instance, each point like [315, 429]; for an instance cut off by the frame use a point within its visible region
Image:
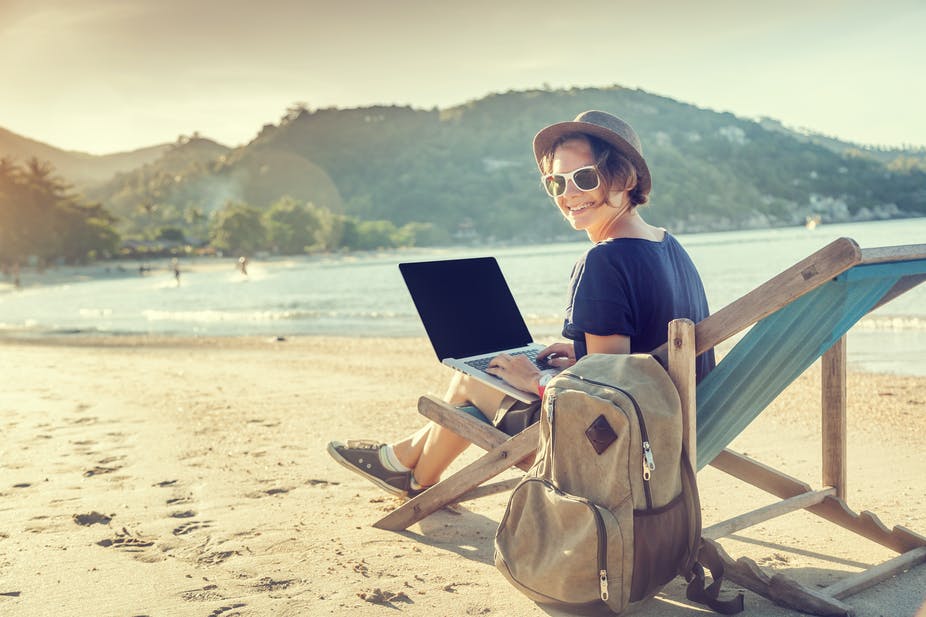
[627, 224]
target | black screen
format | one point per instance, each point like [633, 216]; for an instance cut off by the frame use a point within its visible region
[466, 306]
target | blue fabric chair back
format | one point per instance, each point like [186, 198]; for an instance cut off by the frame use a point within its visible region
[782, 346]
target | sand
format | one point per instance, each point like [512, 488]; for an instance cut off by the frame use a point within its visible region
[145, 476]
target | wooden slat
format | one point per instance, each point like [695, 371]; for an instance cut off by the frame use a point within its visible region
[475, 431]
[804, 276]
[448, 491]
[502, 486]
[779, 588]
[872, 576]
[759, 475]
[831, 508]
[760, 515]
[834, 417]
[682, 371]
[902, 252]
[867, 525]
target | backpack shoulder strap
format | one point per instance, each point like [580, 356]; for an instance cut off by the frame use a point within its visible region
[702, 553]
[699, 591]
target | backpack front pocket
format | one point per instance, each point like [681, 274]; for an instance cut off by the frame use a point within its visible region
[562, 549]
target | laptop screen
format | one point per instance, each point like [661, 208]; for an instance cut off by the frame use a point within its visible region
[466, 306]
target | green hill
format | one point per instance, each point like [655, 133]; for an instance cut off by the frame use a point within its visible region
[80, 168]
[469, 171]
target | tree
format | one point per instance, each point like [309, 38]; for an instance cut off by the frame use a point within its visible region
[41, 217]
[292, 228]
[171, 234]
[237, 228]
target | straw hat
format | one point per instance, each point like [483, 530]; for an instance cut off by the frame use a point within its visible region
[606, 127]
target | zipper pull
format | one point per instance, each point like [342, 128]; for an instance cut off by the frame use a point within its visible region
[648, 463]
[550, 402]
[603, 584]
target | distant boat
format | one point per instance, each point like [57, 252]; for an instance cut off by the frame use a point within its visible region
[811, 222]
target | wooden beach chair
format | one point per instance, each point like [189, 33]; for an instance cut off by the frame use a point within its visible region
[797, 317]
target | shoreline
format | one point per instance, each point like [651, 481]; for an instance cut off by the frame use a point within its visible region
[864, 344]
[128, 266]
[167, 475]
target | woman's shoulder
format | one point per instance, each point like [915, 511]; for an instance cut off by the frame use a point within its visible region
[631, 246]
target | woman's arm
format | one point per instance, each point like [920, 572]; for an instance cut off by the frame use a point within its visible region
[524, 375]
[614, 343]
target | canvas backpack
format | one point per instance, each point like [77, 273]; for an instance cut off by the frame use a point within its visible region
[609, 511]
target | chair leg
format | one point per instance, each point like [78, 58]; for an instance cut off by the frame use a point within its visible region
[682, 372]
[778, 588]
[834, 417]
[449, 491]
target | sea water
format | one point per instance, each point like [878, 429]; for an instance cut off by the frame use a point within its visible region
[363, 294]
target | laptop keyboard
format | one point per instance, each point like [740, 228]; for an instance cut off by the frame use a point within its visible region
[483, 363]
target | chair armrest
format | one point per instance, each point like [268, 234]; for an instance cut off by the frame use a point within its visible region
[476, 431]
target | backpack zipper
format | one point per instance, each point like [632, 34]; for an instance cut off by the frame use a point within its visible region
[648, 463]
[602, 537]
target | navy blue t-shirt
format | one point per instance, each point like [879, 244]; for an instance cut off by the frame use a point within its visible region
[635, 287]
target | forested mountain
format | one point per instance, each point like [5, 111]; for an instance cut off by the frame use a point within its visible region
[180, 188]
[79, 168]
[467, 172]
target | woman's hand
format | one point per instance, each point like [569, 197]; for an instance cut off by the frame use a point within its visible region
[517, 371]
[559, 355]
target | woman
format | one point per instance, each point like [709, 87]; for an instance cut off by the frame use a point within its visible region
[623, 292]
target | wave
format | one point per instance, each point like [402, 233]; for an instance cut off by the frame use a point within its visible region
[215, 316]
[892, 323]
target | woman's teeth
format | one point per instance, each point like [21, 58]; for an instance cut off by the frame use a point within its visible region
[580, 208]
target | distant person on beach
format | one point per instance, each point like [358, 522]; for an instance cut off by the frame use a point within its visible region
[623, 292]
[176, 266]
[243, 265]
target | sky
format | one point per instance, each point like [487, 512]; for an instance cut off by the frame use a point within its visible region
[103, 76]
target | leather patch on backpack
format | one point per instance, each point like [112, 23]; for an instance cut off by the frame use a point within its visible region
[600, 434]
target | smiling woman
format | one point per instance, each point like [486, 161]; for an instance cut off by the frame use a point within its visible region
[623, 293]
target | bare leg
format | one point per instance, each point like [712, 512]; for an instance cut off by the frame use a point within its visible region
[431, 449]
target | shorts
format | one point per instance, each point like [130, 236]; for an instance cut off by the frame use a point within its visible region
[511, 417]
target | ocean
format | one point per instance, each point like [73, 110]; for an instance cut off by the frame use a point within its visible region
[363, 294]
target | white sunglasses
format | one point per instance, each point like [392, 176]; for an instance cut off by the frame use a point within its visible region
[585, 178]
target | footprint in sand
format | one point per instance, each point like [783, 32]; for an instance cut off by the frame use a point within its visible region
[267, 584]
[183, 514]
[268, 492]
[203, 594]
[104, 466]
[126, 540]
[83, 420]
[176, 501]
[92, 518]
[126, 543]
[215, 558]
[223, 610]
[316, 482]
[190, 527]
[100, 470]
[165, 483]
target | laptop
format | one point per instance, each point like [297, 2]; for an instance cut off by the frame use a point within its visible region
[470, 316]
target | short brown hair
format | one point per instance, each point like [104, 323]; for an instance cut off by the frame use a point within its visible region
[614, 169]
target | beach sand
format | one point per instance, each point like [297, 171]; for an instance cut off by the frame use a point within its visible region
[145, 476]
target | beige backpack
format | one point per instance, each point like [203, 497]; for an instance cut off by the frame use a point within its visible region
[609, 512]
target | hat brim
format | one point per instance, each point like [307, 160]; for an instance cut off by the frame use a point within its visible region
[544, 140]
